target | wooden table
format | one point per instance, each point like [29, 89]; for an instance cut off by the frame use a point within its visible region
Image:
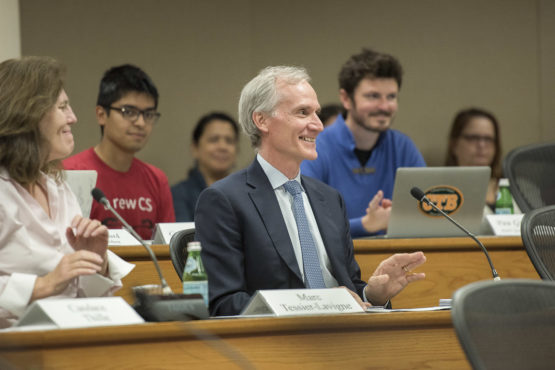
[406, 340]
[451, 263]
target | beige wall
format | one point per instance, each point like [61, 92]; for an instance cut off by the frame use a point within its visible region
[546, 70]
[496, 54]
[10, 43]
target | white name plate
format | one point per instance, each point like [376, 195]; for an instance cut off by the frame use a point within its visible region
[119, 237]
[164, 231]
[297, 302]
[80, 313]
[505, 225]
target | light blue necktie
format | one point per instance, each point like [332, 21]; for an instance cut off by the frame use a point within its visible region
[311, 262]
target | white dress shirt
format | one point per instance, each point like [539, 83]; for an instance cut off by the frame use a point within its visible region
[32, 244]
[285, 200]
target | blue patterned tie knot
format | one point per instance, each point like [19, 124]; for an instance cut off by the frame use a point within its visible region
[293, 187]
[311, 262]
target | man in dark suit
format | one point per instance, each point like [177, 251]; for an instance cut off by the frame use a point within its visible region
[258, 233]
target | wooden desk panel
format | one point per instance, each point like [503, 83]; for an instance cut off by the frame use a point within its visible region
[451, 263]
[383, 341]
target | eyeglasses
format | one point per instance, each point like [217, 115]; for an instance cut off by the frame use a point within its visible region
[132, 114]
[476, 139]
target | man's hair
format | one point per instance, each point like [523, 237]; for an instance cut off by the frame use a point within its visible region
[461, 120]
[368, 64]
[29, 89]
[121, 80]
[261, 95]
[330, 110]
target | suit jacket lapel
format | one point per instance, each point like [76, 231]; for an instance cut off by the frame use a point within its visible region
[265, 201]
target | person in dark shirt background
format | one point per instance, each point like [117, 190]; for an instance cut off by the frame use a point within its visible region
[214, 147]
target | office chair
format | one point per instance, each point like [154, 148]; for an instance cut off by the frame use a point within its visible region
[507, 324]
[531, 173]
[538, 236]
[178, 249]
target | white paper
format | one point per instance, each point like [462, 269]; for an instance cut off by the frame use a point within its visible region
[165, 230]
[505, 225]
[418, 309]
[81, 183]
[121, 237]
[95, 285]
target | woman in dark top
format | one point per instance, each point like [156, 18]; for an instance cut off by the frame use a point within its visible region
[214, 147]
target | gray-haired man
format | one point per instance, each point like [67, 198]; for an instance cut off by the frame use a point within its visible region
[268, 227]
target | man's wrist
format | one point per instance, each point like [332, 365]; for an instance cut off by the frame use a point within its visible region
[375, 301]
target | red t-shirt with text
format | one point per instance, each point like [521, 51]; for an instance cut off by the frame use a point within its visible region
[141, 195]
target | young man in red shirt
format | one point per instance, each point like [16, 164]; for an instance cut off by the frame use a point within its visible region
[126, 111]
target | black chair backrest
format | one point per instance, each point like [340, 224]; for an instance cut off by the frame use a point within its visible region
[538, 236]
[178, 249]
[531, 173]
[507, 324]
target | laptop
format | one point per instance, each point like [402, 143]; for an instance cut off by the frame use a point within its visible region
[458, 191]
[81, 183]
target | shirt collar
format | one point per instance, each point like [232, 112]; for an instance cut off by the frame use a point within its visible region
[275, 177]
[346, 138]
